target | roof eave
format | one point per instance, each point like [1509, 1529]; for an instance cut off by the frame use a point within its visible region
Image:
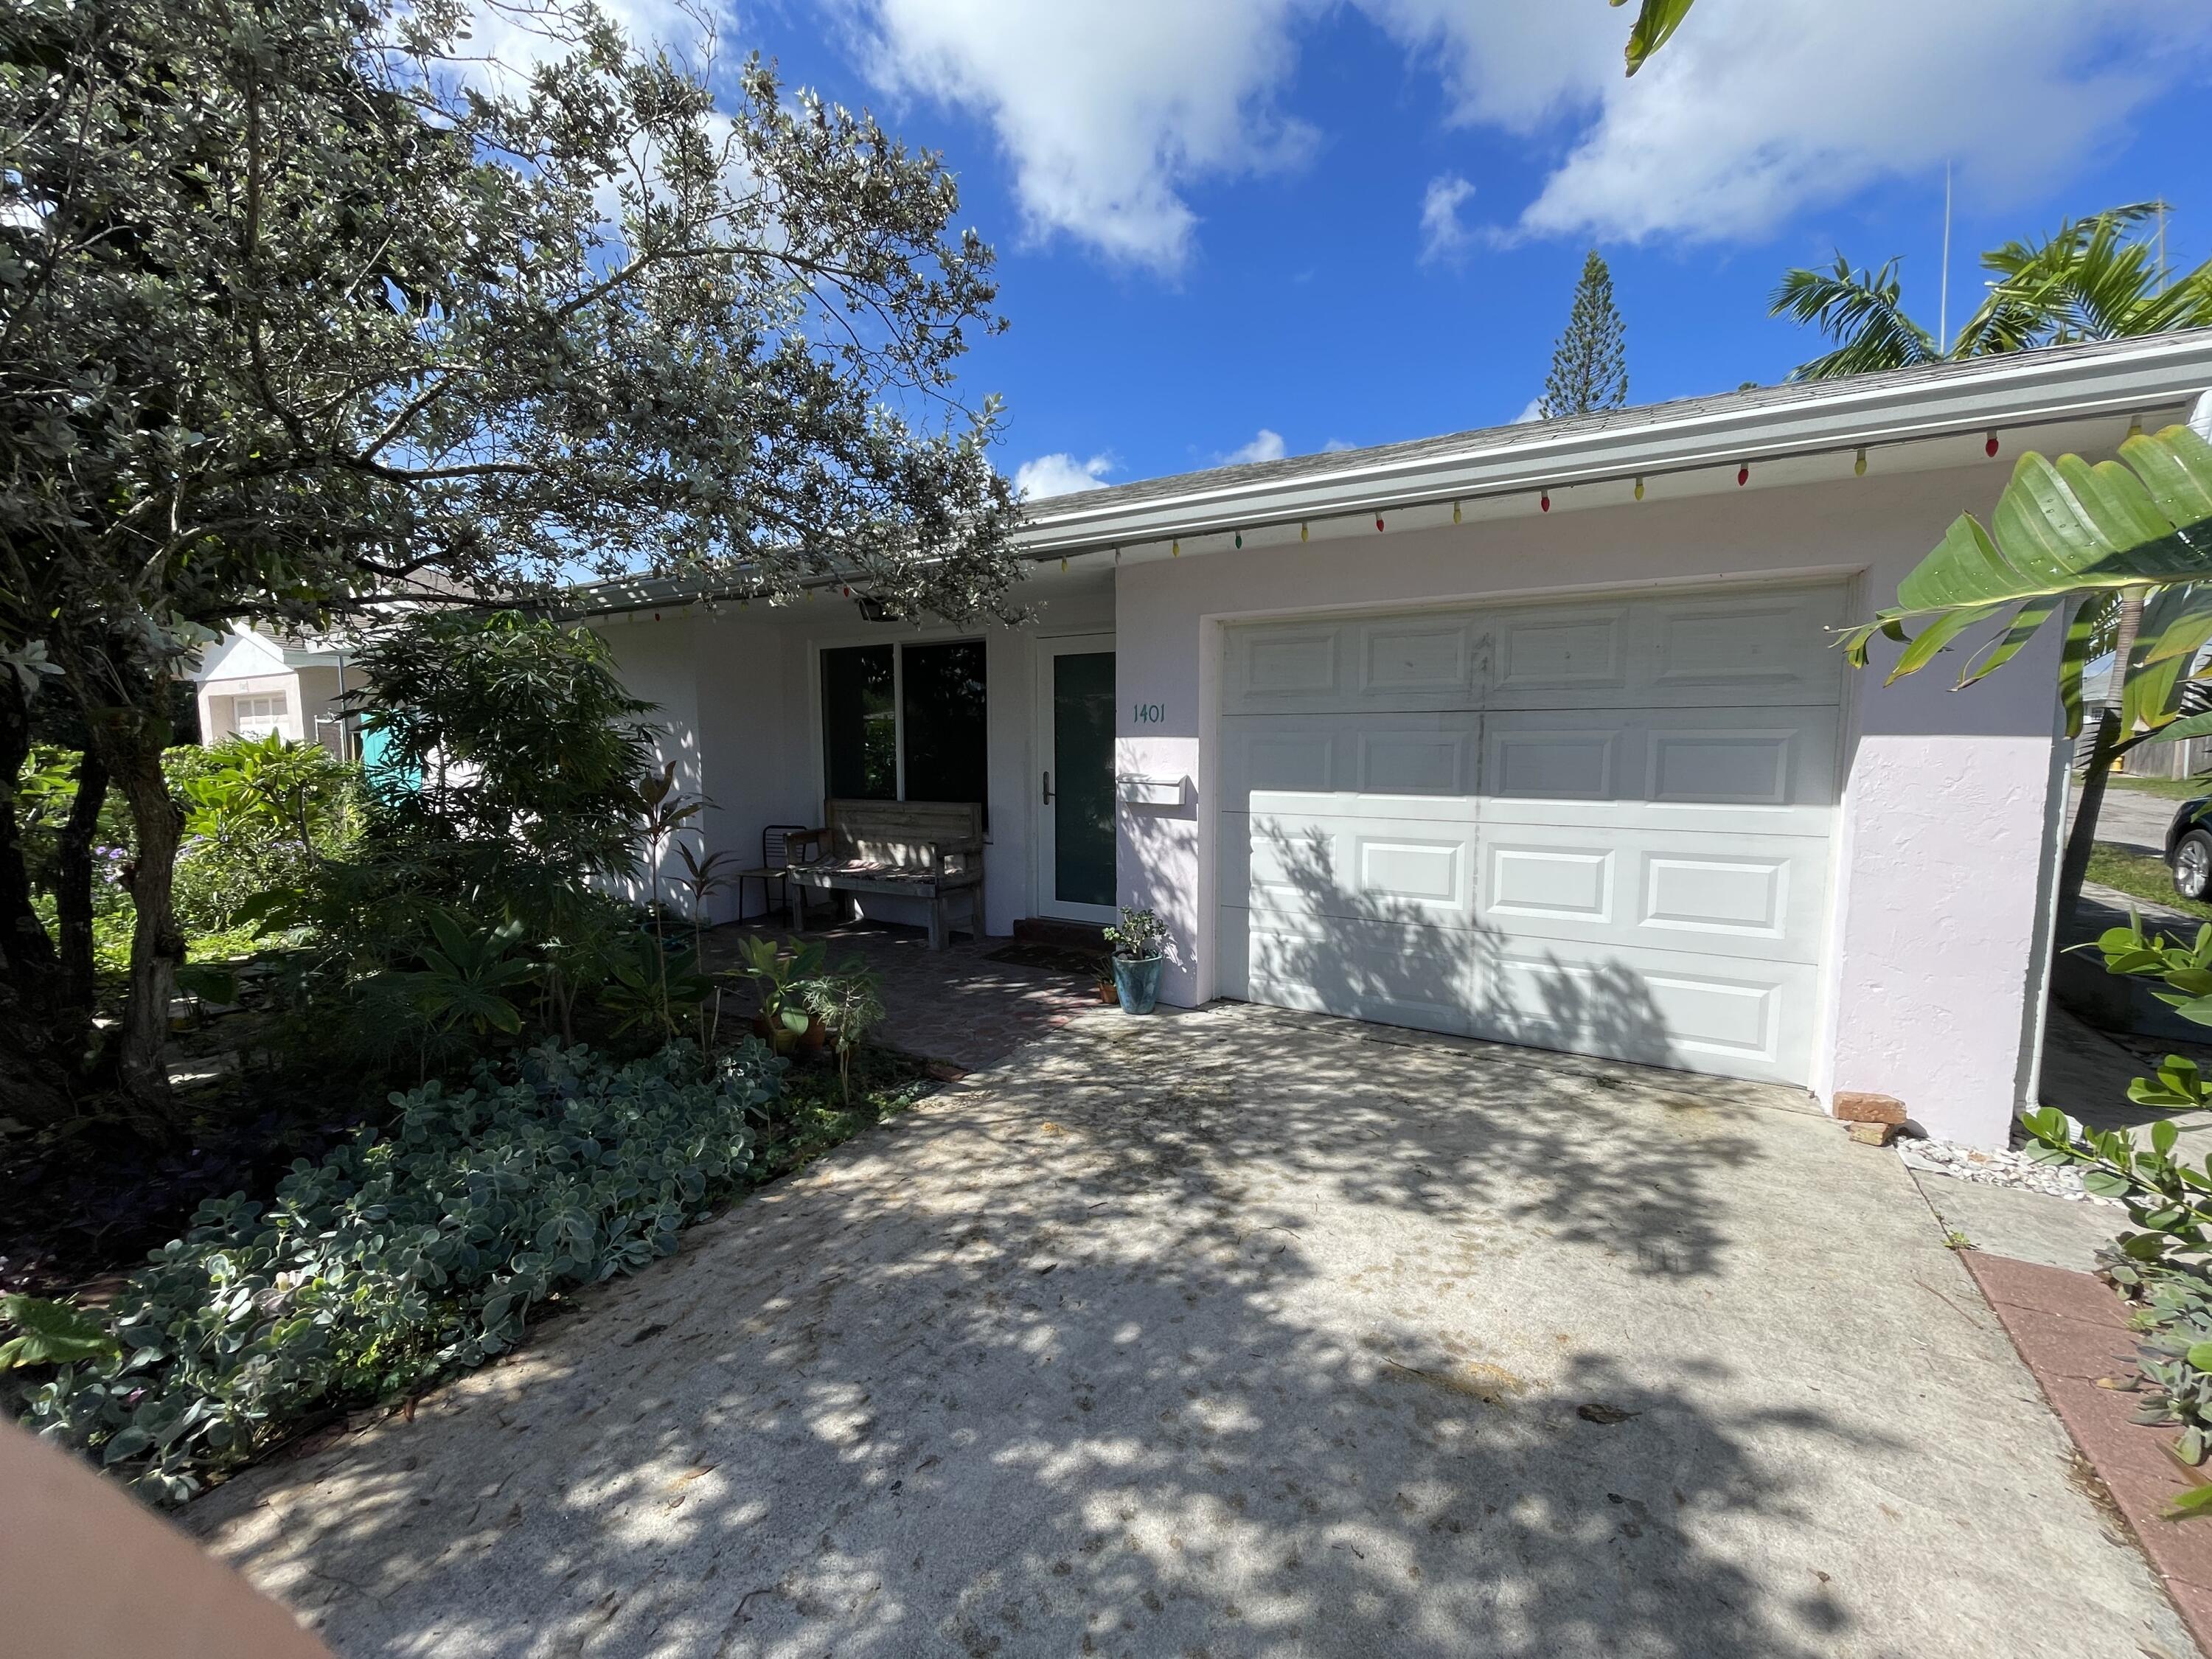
[2039, 387]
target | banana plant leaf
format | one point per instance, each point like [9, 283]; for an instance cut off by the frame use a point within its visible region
[2065, 531]
[1655, 20]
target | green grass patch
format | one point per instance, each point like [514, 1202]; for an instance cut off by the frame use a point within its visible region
[2167, 788]
[2141, 875]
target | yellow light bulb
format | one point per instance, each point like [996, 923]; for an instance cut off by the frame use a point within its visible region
[1639, 489]
[1455, 512]
[1858, 466]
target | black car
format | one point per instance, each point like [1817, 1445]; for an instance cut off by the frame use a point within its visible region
[2189, 848]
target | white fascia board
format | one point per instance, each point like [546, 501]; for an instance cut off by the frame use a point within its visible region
[2028, 388]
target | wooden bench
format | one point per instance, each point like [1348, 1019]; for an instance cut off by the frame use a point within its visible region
[928, 850]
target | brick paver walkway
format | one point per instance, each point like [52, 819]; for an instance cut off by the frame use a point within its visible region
[952, 1005]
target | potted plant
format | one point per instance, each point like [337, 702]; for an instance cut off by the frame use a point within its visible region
[784, 1022]
[1138, 939]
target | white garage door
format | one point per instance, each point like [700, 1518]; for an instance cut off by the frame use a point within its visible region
[1601, 827]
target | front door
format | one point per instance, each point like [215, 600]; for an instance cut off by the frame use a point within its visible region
[1075, 862]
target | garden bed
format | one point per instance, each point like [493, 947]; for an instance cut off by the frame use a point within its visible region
[422, 1243]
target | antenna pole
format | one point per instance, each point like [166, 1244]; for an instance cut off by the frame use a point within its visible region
[1943, 307]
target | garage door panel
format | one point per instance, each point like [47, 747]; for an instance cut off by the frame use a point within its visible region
[1660, 1008]
[1411, 871]
[1689, 650]
[1396, 976]
[1408, 765]
[1379, 663]
[1717, 770]
[1740, 896]
[1415, 657]
[1703, 649]
[1735, 645]
[1541, 653]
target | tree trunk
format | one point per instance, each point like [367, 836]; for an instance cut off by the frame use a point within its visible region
[2081, 841]
[130, 741]
[2112, 742]
[73, 879]
[33, 1066]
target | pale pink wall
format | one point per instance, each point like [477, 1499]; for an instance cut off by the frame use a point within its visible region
[737, 687]
[1947, 803]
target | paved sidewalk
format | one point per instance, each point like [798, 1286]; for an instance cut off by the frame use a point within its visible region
[1240, 1333]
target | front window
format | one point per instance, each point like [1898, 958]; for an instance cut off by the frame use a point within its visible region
[905, 723]
[256, 717]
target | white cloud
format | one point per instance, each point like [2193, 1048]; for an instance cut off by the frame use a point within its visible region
[1531, 410]
[1112, 111]
[1338, 445]
[1059, 475]
[1106, 108]
[1443, 236]
[1266, 446]
[1760, 109]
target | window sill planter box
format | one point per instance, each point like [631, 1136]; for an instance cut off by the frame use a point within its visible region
[1137, 982]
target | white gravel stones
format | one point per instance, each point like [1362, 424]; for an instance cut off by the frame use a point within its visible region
[1998, 1168]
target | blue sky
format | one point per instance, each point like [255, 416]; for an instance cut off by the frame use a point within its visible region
[1211, 213]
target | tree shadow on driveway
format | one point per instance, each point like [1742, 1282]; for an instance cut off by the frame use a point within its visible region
[1233, 1332]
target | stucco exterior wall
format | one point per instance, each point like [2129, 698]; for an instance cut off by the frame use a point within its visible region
[740, 710]
[1937, 911]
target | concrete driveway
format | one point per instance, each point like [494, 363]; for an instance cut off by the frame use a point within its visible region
[1243, 1332]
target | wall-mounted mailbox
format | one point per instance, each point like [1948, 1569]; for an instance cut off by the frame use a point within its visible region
[1152, 792]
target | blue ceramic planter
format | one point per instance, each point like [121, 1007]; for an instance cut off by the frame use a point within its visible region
[1137, 983]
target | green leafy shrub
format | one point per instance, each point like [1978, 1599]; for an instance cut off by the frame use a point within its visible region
[260, 813]
[2174, 1312]
[2164, 1263]
[404, 1254]
[848, 1000]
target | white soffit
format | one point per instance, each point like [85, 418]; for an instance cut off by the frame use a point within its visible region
[1914, 420]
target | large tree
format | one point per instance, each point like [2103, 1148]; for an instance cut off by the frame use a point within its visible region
[305, 304]
[1590, 363]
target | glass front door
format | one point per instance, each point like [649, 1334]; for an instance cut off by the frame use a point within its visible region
[1078, 863]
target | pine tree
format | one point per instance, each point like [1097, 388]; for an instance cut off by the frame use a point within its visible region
[1589, 365]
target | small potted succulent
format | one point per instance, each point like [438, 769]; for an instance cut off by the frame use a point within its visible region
[1138, 940]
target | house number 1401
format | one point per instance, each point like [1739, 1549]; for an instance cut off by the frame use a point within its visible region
[1151, 714]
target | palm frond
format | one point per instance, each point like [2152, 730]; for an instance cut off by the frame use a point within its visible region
[1655, 20]
[2065, 537]
[2094, 279]
[1862, 309]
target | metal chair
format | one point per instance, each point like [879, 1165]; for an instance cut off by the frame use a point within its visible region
[776, 859]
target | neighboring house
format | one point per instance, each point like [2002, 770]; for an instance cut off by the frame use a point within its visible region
[252, 685]
[1536, 733]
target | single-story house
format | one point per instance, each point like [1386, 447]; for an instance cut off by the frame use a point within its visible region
[1537, 733]
[251, 684]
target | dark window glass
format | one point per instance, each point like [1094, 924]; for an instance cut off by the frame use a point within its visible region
[947, 753]
[859, 731]
[1082, 798]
